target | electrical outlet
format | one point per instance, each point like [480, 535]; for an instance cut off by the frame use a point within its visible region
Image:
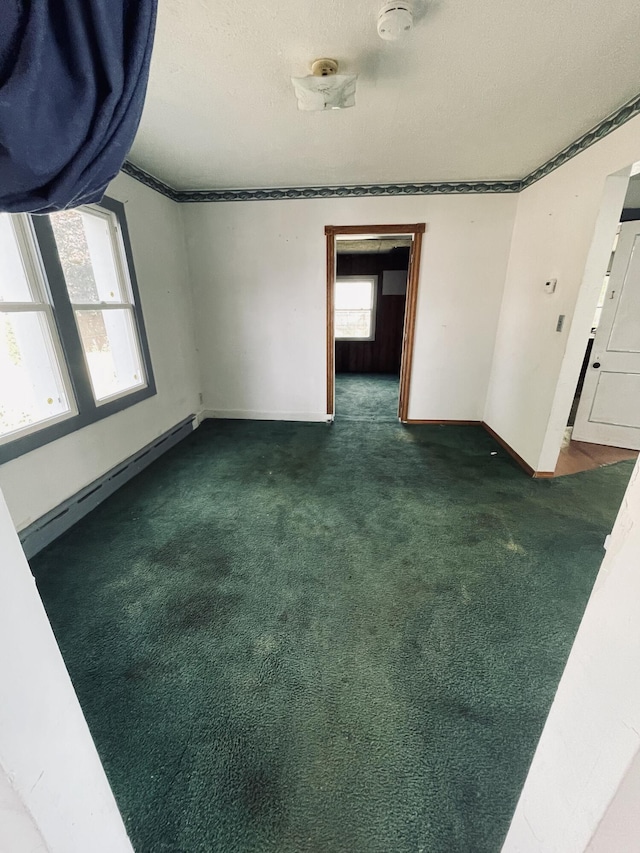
[560, 323]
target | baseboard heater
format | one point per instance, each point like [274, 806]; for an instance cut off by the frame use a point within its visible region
[54, 523]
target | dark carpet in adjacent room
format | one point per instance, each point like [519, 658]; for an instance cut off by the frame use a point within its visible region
[362, 397]
[301, 638]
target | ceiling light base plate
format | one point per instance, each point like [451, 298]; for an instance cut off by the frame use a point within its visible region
[324, 67]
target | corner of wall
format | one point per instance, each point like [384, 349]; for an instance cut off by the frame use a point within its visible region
[534, 369]
[182, 211]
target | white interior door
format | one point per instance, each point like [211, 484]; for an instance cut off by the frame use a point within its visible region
[609, 409]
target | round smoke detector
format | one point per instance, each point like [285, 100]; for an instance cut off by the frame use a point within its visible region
[395, 19]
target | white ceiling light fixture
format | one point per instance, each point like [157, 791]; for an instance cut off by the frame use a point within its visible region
[395, 19]
[324, 88]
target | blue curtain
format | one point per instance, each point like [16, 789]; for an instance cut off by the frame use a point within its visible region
[73, 76]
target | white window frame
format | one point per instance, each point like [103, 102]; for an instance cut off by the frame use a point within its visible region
[374, 307]
[41, 304]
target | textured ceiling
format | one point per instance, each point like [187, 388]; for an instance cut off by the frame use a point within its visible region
[478, 91]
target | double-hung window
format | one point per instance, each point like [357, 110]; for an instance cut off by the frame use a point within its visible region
[101, 298]
[355, 308]
[72, 341]
[35, 389]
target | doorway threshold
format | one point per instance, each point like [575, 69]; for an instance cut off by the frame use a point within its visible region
[578, 456]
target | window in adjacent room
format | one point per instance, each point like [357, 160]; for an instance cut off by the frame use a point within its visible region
[73, 348]
[355, 308]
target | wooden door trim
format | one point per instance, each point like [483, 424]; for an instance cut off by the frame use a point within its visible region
[408, 335]
[331, 346]
[416, 228]
[406, 361]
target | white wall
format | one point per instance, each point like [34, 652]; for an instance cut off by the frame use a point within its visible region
[54, 795]
[258, 275]
[619, 829]
[584, 783]
[554, 227]
[41, 479]
[632, 198]
[18, 830]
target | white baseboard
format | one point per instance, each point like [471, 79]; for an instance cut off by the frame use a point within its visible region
[250, 415]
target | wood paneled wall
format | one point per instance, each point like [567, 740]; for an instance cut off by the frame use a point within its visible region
[383, 354]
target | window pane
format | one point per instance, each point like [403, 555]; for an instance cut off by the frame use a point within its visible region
[353, 324]
[354, 295]
[110, 346]
[14, 284]
[86, 251]
[31, 385]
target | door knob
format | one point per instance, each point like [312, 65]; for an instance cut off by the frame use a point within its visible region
[596, 364]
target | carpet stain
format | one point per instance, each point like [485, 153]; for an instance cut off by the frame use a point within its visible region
[301, 638]
[201, 609]
[514, 546]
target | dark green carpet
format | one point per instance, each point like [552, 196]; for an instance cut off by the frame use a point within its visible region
[362, 397]
[300, 638]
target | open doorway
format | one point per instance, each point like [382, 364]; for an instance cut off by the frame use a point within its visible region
[604, 421]
[372, 282]
[369, 307]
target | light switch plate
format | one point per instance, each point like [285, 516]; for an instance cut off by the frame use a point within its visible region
[550, 286]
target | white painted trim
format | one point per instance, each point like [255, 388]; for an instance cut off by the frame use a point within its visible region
[250, 415]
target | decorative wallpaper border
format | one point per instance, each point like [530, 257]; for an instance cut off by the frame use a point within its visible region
[149, 181]
[604, 128]
[621, 116]
[351, 191]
